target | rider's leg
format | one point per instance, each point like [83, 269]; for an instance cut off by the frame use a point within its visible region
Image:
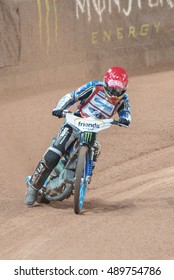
[47, 163]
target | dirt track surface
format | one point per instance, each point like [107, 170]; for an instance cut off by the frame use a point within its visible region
[129, 207]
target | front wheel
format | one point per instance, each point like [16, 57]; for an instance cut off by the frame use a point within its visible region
[80, 181]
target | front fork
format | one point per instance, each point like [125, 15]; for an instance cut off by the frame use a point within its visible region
[88, 138]
[90, 165]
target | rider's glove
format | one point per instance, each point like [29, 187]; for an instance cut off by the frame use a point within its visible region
[57, 113]
[124, 121]
[124, 117]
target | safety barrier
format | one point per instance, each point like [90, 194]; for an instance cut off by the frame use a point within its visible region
[53, 41]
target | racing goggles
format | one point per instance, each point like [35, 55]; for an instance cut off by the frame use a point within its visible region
[117, 92]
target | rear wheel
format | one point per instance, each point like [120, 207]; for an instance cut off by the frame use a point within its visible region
[80, 181]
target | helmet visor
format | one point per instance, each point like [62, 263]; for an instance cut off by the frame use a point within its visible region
[117, 92]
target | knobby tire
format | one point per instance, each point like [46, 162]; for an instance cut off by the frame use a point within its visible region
[79, 171]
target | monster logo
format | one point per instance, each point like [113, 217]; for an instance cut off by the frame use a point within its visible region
[88, 136]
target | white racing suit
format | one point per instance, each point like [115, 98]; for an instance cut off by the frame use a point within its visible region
[93, 102]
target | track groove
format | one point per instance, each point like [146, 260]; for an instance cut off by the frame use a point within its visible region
[129, 207]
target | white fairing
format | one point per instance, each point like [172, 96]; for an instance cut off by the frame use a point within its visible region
[88, 124]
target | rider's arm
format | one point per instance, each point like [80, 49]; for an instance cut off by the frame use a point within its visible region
[65, 102]
[124, 110]
[78, 95]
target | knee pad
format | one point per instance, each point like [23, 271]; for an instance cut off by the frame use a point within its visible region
[51, 159]
[63, 140]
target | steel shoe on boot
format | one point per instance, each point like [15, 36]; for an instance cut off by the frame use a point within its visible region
[31, 195]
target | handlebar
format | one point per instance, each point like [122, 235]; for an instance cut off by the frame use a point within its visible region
[66, 112]
[112, 122]
[117, 123]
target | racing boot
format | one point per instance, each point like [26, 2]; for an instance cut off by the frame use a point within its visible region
[36, 181]
[31, 194]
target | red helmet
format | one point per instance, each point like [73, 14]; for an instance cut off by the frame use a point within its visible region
[116, 81]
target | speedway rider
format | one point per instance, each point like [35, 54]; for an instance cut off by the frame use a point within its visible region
[97, 99]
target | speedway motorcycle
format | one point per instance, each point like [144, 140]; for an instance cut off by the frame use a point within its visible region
[74, 170]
